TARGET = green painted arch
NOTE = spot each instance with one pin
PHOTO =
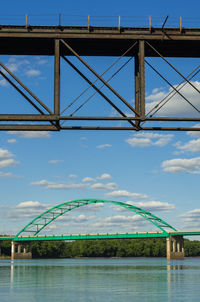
(44, 219)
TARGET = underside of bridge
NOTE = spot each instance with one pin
(138, 44)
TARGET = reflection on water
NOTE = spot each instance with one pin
(98, 280)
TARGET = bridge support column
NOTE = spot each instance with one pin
(175, 247)
(21, 250)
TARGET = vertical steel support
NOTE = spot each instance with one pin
(57, 78)
(140, 80)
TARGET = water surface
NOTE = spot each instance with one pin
(98, 280)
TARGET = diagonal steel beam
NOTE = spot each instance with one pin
(99, 77)
(173, 87)
(28, 90)
(25, 96)
(102, 86)
(113, 64)
(21, 92)
(171, 94)
(174, 68)
(99, 91)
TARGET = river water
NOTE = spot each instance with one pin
(99, 280)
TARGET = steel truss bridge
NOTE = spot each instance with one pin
(127, 42)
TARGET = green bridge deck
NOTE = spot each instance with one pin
(101, 236)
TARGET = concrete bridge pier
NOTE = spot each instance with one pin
(175, 247)
(21, 250)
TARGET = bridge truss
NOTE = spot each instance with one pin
(128, 42)
(43, 220)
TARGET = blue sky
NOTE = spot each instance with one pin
(157, 171)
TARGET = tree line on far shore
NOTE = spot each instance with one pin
(103, 248)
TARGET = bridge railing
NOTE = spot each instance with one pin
(63, 19)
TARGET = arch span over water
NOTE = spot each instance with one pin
(44, 219)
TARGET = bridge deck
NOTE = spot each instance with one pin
(98, 41)
(102, 236)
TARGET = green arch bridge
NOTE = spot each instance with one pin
(175, 245)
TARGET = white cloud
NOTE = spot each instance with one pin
(12, 141)
(28, 204)
(65, 186)
(104, 146)
(54, 161)
(4, 153)
(191, 218)
(88, 179)
(145, 139)
(153, 205)
(14, 63)
(101, 186)
(3, 83)
(130, 222)
(7, 175)
(182, 165)
(33, 73)
(26, 209)
(177, 106)
(124, 193)
(191, 146)
(53, 185)
(8, 162)
(69, 220)
(6, 159)
(194, 133)
(104, 176)
(73, 176)
(42, 182)
(41, 61)
(31, 134)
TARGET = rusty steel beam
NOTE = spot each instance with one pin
(5, 127)
(57, 77)
(22, 127)
(29, 117)
(55, 118)
(140, 81)
(128, 118)
(130, 128)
